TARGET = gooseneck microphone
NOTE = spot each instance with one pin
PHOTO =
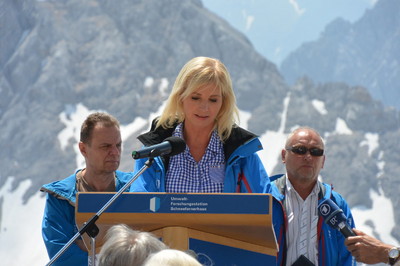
(334, 217)
(170, 146)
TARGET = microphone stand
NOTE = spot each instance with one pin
(90, 227)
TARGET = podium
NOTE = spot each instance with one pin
(221, 228)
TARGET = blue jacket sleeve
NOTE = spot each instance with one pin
(150, 180)
(345, 256)
(58, 227)
(255, 173)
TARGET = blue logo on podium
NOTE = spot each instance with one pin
(154, 204)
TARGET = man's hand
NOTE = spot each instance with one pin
(367, 249)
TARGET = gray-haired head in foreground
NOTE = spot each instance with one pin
(171, 257)
(125, 246)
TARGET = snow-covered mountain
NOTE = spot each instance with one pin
(61, 60)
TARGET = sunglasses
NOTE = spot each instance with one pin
(301, 150)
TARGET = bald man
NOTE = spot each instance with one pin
(303, 237)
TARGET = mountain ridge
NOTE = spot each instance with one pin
(117, 57)
(364, 53)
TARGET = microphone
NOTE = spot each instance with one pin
(335, 217)
(170, 146)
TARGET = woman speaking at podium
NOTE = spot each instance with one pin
(219, 156)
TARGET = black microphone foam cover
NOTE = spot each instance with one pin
(178, 145)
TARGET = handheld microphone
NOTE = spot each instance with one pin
(334, 217)
(170, 146)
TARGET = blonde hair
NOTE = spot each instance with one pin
(196, 73)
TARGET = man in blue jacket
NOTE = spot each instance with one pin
(100, 144)
(302, 236)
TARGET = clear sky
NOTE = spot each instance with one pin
(277, 27)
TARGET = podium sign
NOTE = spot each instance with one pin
(221, 228)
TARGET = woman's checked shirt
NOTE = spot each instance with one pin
(185, 175)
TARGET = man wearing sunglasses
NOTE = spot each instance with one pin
(303, 237)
